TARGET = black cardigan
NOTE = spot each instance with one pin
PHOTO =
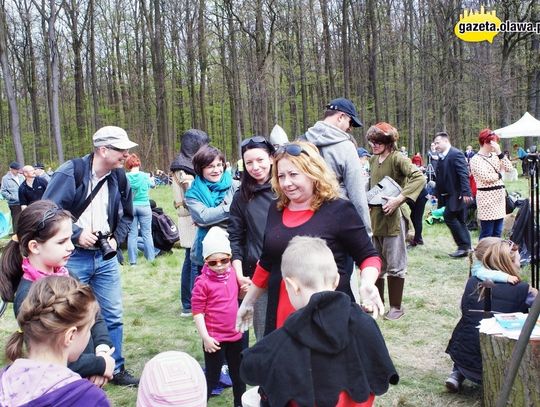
(338, 223)
(326, 347)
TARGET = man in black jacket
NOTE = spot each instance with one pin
(453, 191)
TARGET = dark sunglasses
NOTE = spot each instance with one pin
(292, 149)
(48, 215)
(256, 140)
(224, 261)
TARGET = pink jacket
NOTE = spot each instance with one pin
(216, 296)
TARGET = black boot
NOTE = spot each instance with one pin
(395, 295)
(380, 286)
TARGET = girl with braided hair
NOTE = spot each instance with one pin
(41, 248)
(55, 321)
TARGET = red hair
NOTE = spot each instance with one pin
(486, 135)
(132, 161)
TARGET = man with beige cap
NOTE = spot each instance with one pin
(95, 190)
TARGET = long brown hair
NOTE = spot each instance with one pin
(498, 254)
(53, 305)
(40, 221)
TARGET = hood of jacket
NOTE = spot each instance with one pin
(323, 324)
(191, 141)
(137, 179)
(324, 134)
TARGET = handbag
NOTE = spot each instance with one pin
(510, 204)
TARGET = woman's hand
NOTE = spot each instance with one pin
(371, 300)
(99, 381)
(244, 317)
(109, 362)
(512, 279)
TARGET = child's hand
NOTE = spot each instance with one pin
(244, 317)
(210, 345)
(512, 279)
(99, 381)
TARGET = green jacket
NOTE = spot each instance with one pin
(407, 175)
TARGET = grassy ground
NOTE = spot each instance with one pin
(416, 342)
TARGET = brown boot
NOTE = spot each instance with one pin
(380, 287)
(395, 295)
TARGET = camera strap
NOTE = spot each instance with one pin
(77, 213)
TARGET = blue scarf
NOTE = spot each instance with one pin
(211, 194)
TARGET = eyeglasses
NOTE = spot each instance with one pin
(47, 215)
(120, 150)
(375, 143)
(224, 261)
(292, 149)
(213, 167)
(513, 246)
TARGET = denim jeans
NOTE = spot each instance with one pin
(187, 279)
(491, 228)
(142, 215)
(140, 246)
(104, 278)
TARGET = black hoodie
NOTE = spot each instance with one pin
(327, 347)
(191, 141)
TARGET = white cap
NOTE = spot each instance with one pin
(216, 241)
(113, 136)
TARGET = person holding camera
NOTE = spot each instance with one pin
(95, 190)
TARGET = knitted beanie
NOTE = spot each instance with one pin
(216, 241)
(172, 379)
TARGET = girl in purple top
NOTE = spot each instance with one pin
(55, 321)
(214, 303)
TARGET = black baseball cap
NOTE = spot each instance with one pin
(15, 165)
(347, 107)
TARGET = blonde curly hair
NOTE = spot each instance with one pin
(309, 161)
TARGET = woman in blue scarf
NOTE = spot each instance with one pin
(209, 197)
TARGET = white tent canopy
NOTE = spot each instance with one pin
(527, 126)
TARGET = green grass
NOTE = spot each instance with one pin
(416, 343)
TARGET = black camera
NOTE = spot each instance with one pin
(103, 244)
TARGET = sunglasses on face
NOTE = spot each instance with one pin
(224, 261)
(292, 149)
(120, 150)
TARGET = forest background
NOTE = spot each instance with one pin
(235, 68)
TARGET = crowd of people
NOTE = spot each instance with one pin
(300, 248)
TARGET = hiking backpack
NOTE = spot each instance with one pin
(164, 231)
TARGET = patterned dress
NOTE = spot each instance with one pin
(491, 195)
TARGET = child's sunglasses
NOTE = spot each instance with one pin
(224, 261)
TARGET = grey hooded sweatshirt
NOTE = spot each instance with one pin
(339, 151)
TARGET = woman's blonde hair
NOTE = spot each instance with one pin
(309, 161)
(498, 254)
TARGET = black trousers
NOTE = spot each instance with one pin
(456, 222)
(417, 215)
(15, 213)
(230, 351)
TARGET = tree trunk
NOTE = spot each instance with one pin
(93, 71)
(496, 355)
(203, 63)
(331, 89)
(55, 82)
(14, 120)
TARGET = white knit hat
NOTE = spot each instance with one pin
(216, 241)
(172, 379)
